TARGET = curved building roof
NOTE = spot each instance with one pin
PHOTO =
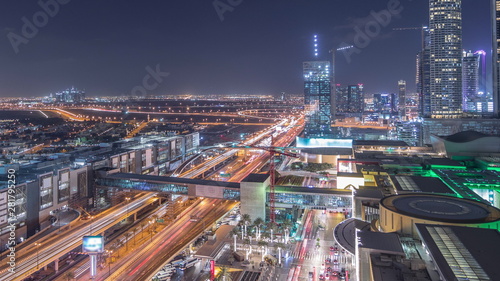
(467, 136)
(441, 208)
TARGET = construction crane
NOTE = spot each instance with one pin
(422, 29)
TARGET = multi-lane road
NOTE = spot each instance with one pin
(146, 261)
(48, 249)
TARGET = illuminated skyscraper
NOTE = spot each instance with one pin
(317, 97)
(496, 54)
(423, 78)
(446, 58)
(475, 97)
(402, 97)
(470, 79)
(350, 99)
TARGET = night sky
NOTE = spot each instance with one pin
(105, 46)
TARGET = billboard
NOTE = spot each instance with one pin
(93, 244)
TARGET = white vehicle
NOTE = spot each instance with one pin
(189, 263)
(163, 276)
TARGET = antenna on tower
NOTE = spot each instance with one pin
(315, 46)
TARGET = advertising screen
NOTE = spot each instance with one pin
(93, 244)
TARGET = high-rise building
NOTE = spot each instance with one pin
(446, 58)
(350, 99)
(495, 17)
(385, 103)
(470, 79)
(402, 97)
(423, 78)
(475, 97)
(317, 95)
(72, 95)
(356, 98)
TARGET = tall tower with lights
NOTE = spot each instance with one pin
(317, 96)
(495, 18)
(402, 97)
(445, 28)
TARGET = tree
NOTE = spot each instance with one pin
(258, 222)
(246, 220)
(235, 232)
(280, 246)
(248, 247)
(224, 274)
(286, 225)
(70, 275)
(263, 246)
(271, 227)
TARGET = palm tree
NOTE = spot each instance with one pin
(258, 222)
(224, 274)
(280, 246)
(248, 247)
(235, 234)
(271, 226)
(263, 245)
(286, 225)
(265, 235)
(246, 220)
(70, 275)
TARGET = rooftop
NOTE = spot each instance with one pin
(441, 208)
(256, 178)
(211, 248)
(458, 252)
(466, 136)
(392, 143)
(421, 184)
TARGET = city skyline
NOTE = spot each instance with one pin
(193, 46)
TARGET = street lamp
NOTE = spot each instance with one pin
(128, 200)
(37, 245)
(91, 221)
(109, 253)
(151, 229)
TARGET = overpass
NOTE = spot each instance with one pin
(172, 185)
(253, 191)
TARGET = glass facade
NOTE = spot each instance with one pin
(142, 185)
(446, 58)
(317, 99)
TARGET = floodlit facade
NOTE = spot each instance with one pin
(446, 58)
(317, 99)
(402, 97)
(496, 54)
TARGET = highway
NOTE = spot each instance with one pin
(28, 259)
(282, 140)
(146, 261)
(200, 169)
